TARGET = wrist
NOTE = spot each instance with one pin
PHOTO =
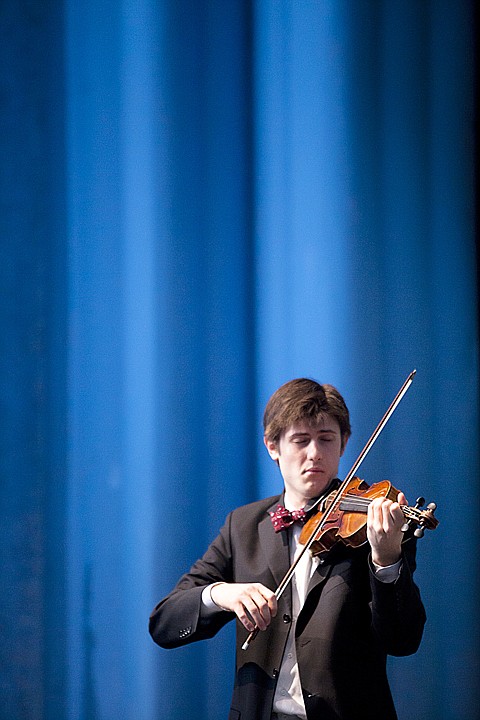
(383, 561)
(212, 598)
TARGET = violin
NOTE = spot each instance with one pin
(341, 516)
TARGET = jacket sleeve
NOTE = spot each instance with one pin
(178, 619)
(398, 614)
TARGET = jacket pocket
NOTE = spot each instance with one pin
(234, 714)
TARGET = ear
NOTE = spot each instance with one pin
(344, 444)
(271, 448)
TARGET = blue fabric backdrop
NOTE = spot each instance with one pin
(199, 201)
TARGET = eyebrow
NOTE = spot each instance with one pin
(327, 431)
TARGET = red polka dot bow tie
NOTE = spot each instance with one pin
(283, 518)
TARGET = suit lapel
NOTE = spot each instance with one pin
(276, 550)
(321, 574)
(275, 547)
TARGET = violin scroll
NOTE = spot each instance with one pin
(423, 519)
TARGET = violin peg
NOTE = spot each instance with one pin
(405, 527)
(432, 506)
(419, 532)
(420, 502)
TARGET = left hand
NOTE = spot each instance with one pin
(384, 529)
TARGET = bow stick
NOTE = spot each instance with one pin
(363, 454)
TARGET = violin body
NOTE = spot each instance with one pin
(342, 517)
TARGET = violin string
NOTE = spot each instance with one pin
(363, 503)
(354, 500)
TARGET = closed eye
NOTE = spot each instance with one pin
(300, 439)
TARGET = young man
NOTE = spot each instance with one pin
(321, 650)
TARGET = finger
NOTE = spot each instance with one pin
(244, 618)
(375, 516)
(396, 509)
(397, 514)
(373, 509)
(264, 598)
(247, 613)
(393, 517)
(271, 599)
(388, 518)
(266, 602)
(385, 514)
(257, 605)
(260, 610)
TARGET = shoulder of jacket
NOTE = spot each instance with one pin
(257, 508)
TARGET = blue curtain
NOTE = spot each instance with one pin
(199, 201)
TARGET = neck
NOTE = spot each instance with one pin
(294, 502)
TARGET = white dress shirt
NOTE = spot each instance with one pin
(288, 697)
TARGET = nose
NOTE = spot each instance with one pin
(314, 450)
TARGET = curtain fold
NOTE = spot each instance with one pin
(200, 201)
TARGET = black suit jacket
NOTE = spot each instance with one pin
(350, 621)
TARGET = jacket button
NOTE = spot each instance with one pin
(275, 673)
(287, 618)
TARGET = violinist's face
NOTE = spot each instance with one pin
(308, 458)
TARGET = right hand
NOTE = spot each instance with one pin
(253, 603)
